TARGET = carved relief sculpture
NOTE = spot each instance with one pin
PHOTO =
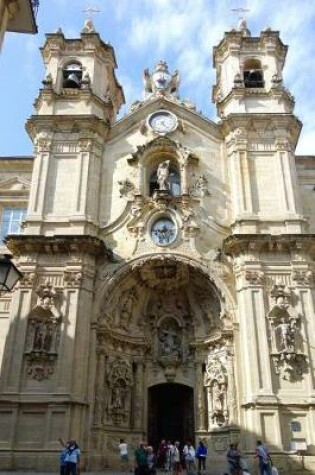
(216, 382)
(120, 382)
(43, 334)
(286, 339)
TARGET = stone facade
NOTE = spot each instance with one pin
(163, 254)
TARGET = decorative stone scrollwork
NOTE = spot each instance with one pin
(43, 334)
(216, 382)
(126, 188)
(286, 339)
(120, 382)
(199, 187)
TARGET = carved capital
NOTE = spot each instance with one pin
(302, 277)
(72, 278)
(255, 277)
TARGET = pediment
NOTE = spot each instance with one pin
(15, 184)
(138, 117)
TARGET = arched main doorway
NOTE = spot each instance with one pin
(170, 413)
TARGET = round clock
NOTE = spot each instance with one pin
(162, 122)
(163, 231)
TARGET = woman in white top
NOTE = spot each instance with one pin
(123, 452)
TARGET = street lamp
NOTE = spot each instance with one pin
(9, 274)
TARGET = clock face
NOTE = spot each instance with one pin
(163, 122)
(163, 232)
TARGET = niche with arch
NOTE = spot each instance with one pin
(253, 74)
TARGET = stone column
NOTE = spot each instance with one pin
(210, 410)
(99, 389)
(200, 398)
(137, 406)
(231, 397)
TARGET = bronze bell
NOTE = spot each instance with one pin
(72, 81)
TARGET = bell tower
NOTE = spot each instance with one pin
(75, 109)
(80, 76)
(260, 131)
(249, 73)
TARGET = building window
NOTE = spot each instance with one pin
(253, 74)
(11, 221)
(72, 76)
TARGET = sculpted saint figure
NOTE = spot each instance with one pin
(163, 174)
(286, 333)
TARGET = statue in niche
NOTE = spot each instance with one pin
(163, 175)
(218, 400)
(120, 382)
(39, 337)
(216, 382)
(286, 337)
(119, 396)
(286, 331)
(126, 308)
(168, 343)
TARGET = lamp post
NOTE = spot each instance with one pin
(9, 274)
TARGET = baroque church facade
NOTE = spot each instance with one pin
(168, 263)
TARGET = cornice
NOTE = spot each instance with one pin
(234, 40)
(237, 244)
(23, 244)
(288, 122)
(259, 93)
(59, 123)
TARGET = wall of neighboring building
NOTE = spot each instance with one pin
(306, 177)
(15, 180)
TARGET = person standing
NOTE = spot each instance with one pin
(201, 456)
(162, 455)
(151, 461)
(190, 456)
(72, 458)
(233, 458)
(264, 459)
(176, 459)
(62, 456)
(123, 452)
(141, 462)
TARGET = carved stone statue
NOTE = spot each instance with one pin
(286, 332)
(216, 381)
(163, 174)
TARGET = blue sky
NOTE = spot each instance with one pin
(182, 32)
